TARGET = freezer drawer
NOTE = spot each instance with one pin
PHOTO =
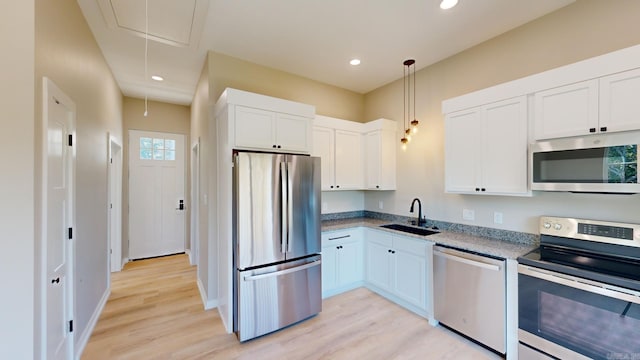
(469, 295)
(273, 297)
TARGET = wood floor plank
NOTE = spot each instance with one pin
(155, 312)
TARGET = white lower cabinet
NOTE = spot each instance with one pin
(397, 267)
(342, 253)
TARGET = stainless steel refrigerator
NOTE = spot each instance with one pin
(276, 241)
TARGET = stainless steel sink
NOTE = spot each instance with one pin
(409, 229)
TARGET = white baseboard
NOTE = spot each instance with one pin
(208, 304)
(124, 262)
(188, 252)
(86, 335)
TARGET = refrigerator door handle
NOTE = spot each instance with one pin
(284, 217)
(289, 209)
(282, 272)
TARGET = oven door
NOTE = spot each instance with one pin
(570, 317)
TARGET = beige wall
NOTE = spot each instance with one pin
(226, 71)
(161, 117)
(17, 325)
(584, 29)
(199, 128)
(67, 53)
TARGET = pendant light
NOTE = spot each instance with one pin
(410, 126)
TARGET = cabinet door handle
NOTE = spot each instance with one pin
(279, 146)
(340, 237)
(477, 189)
(603, 129)
(483, 189)
(338, 186)
(274, 146)
(377, 186)
(592, 130)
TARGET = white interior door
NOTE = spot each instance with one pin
(195, 204)
(58, 220)
(156, 194)
(115, 204)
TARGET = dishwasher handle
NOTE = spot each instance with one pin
(460, 257)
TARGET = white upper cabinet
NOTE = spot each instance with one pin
(566, 111)
(380, 155)
(264, 123)
(486, 149)
(340, 152)
(606, 104)
(267, 130)
(462, 155)
(324, 147)
(349, 165)
(619, 101)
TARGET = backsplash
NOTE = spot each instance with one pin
(500, 234)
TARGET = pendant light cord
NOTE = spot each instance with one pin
(146, 53)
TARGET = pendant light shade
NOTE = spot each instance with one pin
(410, 126)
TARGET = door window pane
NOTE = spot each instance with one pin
(145, 143)
(158, 154)
(145, 154)
(158, 144)
(157, 149)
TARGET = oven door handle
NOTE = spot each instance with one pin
(582, 284)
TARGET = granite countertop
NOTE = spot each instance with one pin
(479, 244)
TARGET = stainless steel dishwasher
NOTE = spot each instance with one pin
(469, 295)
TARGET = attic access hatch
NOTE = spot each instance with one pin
(175, 23)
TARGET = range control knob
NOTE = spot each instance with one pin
(557, 226)
(547, 225)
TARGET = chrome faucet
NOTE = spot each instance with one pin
(421, 221)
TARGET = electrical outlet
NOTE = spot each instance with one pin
(497, 217)
(325, 206)
(381, 204)
(468, 214)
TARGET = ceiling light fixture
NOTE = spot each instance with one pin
(448, 4)
(157, 77)
(410, 126)
(354, 62)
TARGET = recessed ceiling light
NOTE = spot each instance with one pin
(157, 77)
(354, 62)
(448, 4)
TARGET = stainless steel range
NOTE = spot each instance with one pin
(579, 293)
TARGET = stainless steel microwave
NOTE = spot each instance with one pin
(604, 163)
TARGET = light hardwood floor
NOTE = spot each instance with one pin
(155, 312)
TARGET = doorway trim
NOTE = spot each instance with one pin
(114, 202)
(195, 203)
(50, 89)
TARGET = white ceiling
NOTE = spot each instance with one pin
(312, 38)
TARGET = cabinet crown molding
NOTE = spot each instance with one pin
(591, 68)
(264, 102)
